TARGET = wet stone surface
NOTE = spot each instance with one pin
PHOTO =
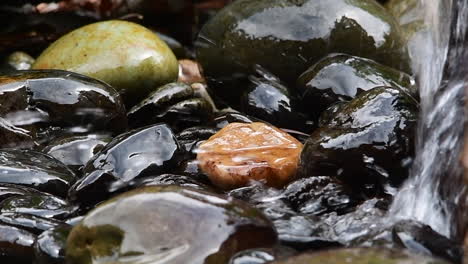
(142, 152)
(118, 230)
(36, 170)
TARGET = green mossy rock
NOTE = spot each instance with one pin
(168, 224)
(287, 36)
(131, 58)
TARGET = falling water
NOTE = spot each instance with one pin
(434, 191)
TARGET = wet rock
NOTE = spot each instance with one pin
(360, 255)
(15, 137)
(9, 190)
(320, 195)
(269, 100)
(240, 153)
(189, 137)
(76, 151)
(48, 103)
(368, 144)
(118, 230)
(420, 238)
(50, 246)
(36, 170)
(174, 104)
(17, 61)
(130, 57)
(40, 204)
(16, 245)
(142, 152)
(31, 223)
(189, 72)
(256, 256)
(341, 77)
(224, 119)
(286, 37)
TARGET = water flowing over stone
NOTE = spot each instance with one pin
(433, 193)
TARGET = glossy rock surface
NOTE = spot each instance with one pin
(286, 37)
(128, 56)
(39, 204)
(50, 246)
(175, 104)
(340, 77)
(143, 152)
(150, 225)
(240, 153)
(36, 170)
(76, 151)
(16, 245)
(360, 256)
(269, 100)
(368, 144)
(47, 103)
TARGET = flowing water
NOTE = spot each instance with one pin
(433, 194)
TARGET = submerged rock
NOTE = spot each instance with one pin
(36, 170)
(286, 37)
(168, 224)
(147, 151)
(360, 256)
(128, 56)
(49, 103)
(368, 143)
(240, 153)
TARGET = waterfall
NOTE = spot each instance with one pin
(434, 191)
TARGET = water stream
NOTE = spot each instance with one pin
(433, 194)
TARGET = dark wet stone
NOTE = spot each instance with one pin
(76, 151)
(16, 245)
(15, 137)
(74, 220)
(163, 179)
(218, 228)
(269, 100)
(224, 119)
(341, 77)
(189, 137)
(320, 195)
(48, 103)
(31, 223)
(368, 143)
(420, 238)
(254, 256)
(286, 37)
(295, 230)
(360, 256)
(36, 170)
(9, 190)
(142, 152)
(174, 104)
(42, 205)
(327, 115)
(50, 246)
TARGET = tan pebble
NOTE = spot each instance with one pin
(242, 152)
(189, 72)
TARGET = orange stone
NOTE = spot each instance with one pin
(189, 72)
(240, 153)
